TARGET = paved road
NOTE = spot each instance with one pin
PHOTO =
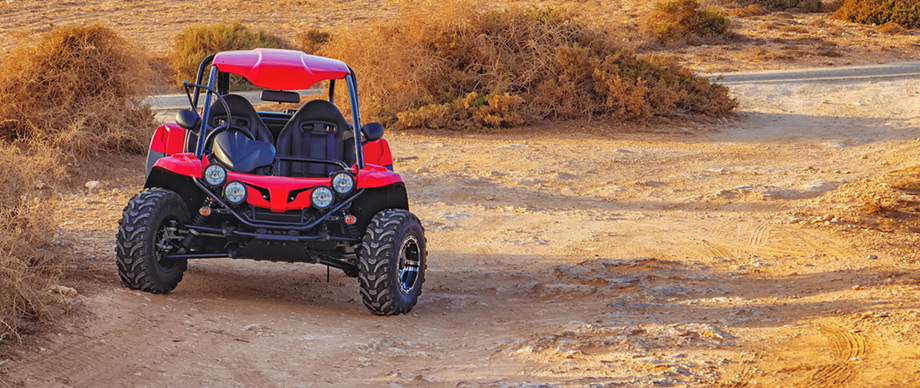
(176, 102)
(166, 105)
(891, 70)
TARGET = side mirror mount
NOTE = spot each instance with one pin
(188, 119)
(372, 131)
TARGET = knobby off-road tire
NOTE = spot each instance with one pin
(392, 262)
(143, 222)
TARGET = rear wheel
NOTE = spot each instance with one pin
(391, 262)
(146, 235)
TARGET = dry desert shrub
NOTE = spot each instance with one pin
(686, 21)
(78, 88)
(890, 28)
(312, 39)
(905, 13)
(455, 66)
(790, 5)
(765, 6)
(194, 43)
(747, 11)
(28, 264)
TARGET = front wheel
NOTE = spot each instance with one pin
(146, 235)
(391, 262)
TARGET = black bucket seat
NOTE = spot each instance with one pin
(316, 131)
(244, 115)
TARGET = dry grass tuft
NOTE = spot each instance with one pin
(312, 39)
(74, 93)
(891, 28)
(790, 5)
(79, 89)
(453, 65)
(685, 21)
(194, 43)
(747, 11)
(28, 264)
(905, 13)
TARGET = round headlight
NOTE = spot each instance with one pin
(235, 193)
(321, 197)
(215, 175)
(343, 183)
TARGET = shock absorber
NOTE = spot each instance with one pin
(203, 212)
(199, 219)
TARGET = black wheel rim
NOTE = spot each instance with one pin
(163, 246)
(409, 264)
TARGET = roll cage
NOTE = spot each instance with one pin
(272, 69)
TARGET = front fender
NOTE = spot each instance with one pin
(180, 164)
(377, 199)
(372, 176)
(378, 152)
(168, 139)
(176, 173)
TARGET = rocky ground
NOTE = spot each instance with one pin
(773, 248)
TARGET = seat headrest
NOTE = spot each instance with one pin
(320, 110)
(243, 114)
(239, 108)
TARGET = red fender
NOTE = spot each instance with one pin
(378, 152)
(376, 176)
(168, 139)
(183, 164)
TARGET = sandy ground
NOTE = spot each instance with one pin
(778, 40)
(733, 253)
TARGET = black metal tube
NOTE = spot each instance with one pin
(339, 264)
(355, 116)
(309, 160)
(198, 256)
(331, 263)
(205, 114)
(254, 225)
(204, 63)
(265, 236)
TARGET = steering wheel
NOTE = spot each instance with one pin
(223, 128)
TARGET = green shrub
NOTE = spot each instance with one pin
(457, 67)
(685, 21)
(906, 13)
(78, 88)
(196, 42)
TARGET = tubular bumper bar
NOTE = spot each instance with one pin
(275, 225)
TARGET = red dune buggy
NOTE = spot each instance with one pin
(300, 186)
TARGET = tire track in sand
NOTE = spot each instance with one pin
(760, 234)
(848, 346)
(89, 359)
(743, 378)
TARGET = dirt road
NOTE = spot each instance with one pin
(714, 254)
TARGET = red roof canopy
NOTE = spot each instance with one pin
(280, 69)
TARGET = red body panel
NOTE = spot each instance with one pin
(376, 176)
(280, 69)
(278, 187)
(168, 139)
(378, 152)
(183, 164)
